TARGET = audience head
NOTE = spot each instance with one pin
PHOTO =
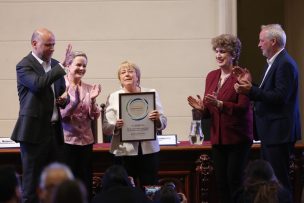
(9, 185)
(51, 177)
(229, 43)
(70, 191)
(43, 43)
(259, 170)
(115, 175)
(167, 194)
(130, 68)
(261, 184)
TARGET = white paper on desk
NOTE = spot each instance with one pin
(167, 139)
(256, 141)
(6, 142)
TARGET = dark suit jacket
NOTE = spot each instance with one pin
(233, 124)
(36, 99)
(277, 103)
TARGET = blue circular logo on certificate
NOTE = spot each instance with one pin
(137, 108)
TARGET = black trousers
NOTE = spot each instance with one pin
(279, 158)
(34, 158)
(79, 159)
(141, 167)
(229, 164)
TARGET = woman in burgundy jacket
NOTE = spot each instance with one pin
(231, 117)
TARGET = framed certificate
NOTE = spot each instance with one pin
(134, 109)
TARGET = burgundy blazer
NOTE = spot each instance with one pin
(234, 123)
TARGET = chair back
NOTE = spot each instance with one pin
(106, 138)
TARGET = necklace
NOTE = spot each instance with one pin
(223, 78)
(221, 81)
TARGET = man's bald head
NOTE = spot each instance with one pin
(43, 42)
(50, 178)
(55, 172)
(40, 32)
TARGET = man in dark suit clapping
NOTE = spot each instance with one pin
(276, 102)
(40, 85)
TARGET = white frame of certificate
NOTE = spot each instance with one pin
(134, 109)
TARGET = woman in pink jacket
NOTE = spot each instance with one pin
(77, 117)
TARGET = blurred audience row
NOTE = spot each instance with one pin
(58, 185)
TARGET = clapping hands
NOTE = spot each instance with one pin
(244, 80)
(95, 91)
(196, 103)
(241, 73)
(61, 100)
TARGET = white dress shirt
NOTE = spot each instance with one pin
(270, 62)
(47, 68)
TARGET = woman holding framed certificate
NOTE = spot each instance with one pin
(132, 116)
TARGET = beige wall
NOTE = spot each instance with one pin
(168, 39)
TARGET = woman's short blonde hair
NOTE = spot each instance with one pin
(128, 64)
(75, 54)
(229, 43)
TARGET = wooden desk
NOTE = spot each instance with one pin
(188, 166)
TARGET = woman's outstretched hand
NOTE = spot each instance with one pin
(196, 103)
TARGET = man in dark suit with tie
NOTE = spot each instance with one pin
(276, 106)
(38, 129)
